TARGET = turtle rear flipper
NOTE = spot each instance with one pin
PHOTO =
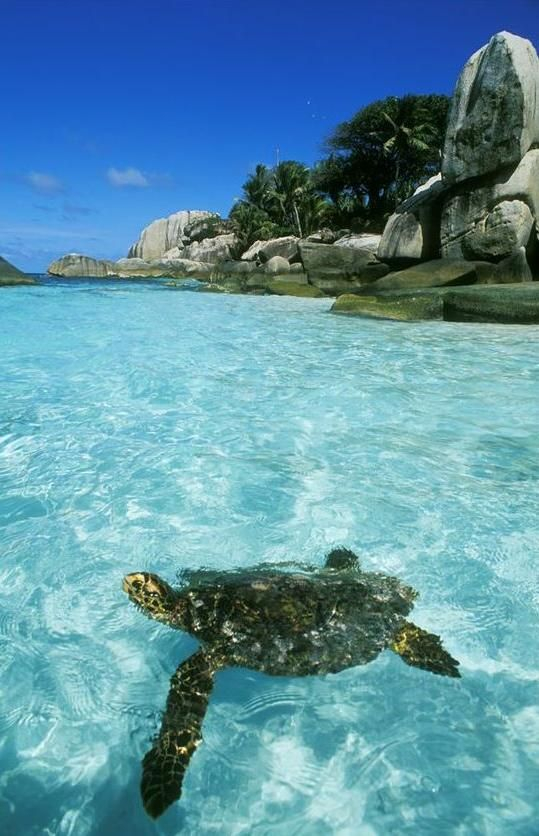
(424, 650)
(164, 766)
(341, 560)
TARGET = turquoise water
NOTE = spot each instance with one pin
(143, 428)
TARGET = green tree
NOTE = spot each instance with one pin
(385, 149)
(278, 201)
(250, 224)
(257, 188)
(291, 188)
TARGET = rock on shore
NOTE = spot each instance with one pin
(165, 233)
(82, 266)
(508, 304)
(483, 209)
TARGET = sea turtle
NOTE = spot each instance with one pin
(283, 623)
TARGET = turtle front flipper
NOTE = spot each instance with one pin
(424, 650)
(164, 766)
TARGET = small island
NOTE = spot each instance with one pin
(464, 246)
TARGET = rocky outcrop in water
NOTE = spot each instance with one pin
(75, 265)
(82, 266)
(10, 275)
(485, 204)
(511, 304)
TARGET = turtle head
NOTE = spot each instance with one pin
(152, 595)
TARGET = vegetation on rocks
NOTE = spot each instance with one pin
(277, 201)
(374, 160)
(378, 157)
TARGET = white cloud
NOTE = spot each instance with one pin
(44, 183)
(127, 177)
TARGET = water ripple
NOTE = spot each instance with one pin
(219, 433)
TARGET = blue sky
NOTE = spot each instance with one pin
(116, 113)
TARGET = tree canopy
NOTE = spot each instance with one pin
(376, 158)
(278, 201)
(373, 161)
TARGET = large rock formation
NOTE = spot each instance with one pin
(10, 275)
(493, 216)
(165, 233)
(494, 115)
(485, 204)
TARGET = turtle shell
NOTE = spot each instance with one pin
(295, 624)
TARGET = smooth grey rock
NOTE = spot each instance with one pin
(172, 254)
(364, 241)
(402, 239)
(514, 268)
(277, 266)
(412, 233)
(75, 265)
(287, 247)
(180, 268)
(328, 260)
(502, 231)
(184, 268)
(165, 233)
(336, 270)
(211, 250)
(130, 268)
(434, 273)
(466, 210)
(494, 114)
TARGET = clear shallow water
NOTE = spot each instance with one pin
(143, 428)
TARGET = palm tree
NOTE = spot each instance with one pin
(408, 137)
(290, 184)
(258, 188)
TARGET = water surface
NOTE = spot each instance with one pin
(144, 428)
